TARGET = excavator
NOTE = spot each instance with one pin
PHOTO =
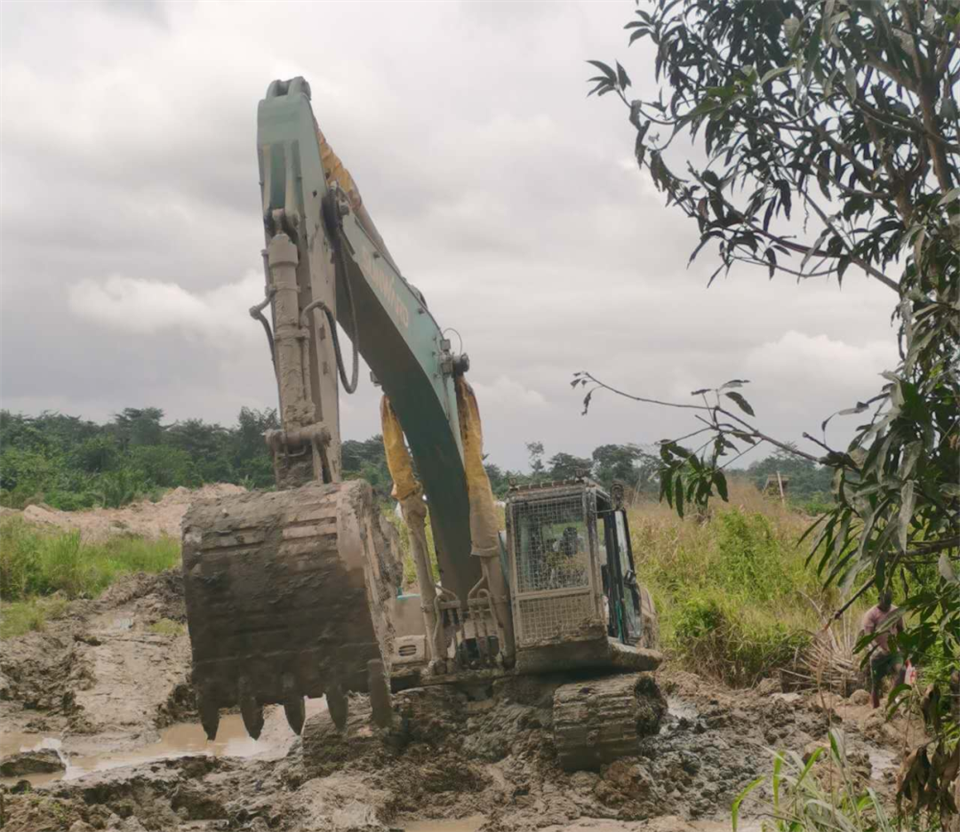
(296, 592)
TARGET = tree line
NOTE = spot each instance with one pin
(72, 463)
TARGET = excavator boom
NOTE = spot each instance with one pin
(397, 335)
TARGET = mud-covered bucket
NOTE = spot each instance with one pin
(285, 597)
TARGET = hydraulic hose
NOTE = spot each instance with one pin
(351, 385)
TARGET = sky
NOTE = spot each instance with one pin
(130, 229)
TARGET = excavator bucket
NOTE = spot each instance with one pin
(285, 596)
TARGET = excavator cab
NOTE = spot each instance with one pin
(572, 577)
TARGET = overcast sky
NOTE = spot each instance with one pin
(131, 225)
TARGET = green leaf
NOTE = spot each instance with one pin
(907, 501)
(735, 808)
(611, 75)
(911, 454)
(777, 766)
(769, 75)
(949, 197)
(742, 402)
(850, 81)
(946, 570)
(720, 481)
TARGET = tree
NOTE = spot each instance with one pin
(629, 464)
(564, 466)
(367, 460)
(848, 112)
(535, 452)
(807, 479)
(138, 426)
(499, 479)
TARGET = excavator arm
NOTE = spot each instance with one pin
(343, 262)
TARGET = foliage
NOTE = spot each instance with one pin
(19, 617)
(535, 452)
(800, 800)
(564, 466)
(630, 464)
(809, 481)
(731, 592)
(35, 563)
(406, 556)
(848, 112)
(168, 627)
(70, 463)
(367, 460)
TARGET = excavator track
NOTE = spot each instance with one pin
(285, 596)
(600, 720)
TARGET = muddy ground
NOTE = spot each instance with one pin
(107, 691)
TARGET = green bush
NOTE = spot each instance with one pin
(823, 794)
(35, 563)
(19, 617)
(164, 466)
(734, 592)
(116, 489)
(723, 636)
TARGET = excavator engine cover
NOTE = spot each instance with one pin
(285, 595)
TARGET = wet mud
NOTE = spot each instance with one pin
(112, 698)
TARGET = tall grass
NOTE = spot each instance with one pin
(19, 617)
(807, 797)
(37, 563)
(734, 594)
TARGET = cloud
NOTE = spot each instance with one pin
(817, 362)
(505, 392)
(149, 307)
(508, 197)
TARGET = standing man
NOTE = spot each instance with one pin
(883, 662)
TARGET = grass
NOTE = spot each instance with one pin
(823, 794)
(35, 564)
(167, 627)
(733, 592)
(19, 617)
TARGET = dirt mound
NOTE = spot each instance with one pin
(106, 674)
(143, 519)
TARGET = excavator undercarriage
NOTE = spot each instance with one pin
(297, 593)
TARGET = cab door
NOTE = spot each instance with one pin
(623, 592)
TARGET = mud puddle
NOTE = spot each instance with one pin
(679, 709)
(468, 824)
(883, 762)
(178, 740)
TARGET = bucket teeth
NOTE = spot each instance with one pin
(337, 705)
(296, 713)
(293, 705)
(250, 710)
(209, 716)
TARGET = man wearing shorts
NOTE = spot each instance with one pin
(883, 662)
